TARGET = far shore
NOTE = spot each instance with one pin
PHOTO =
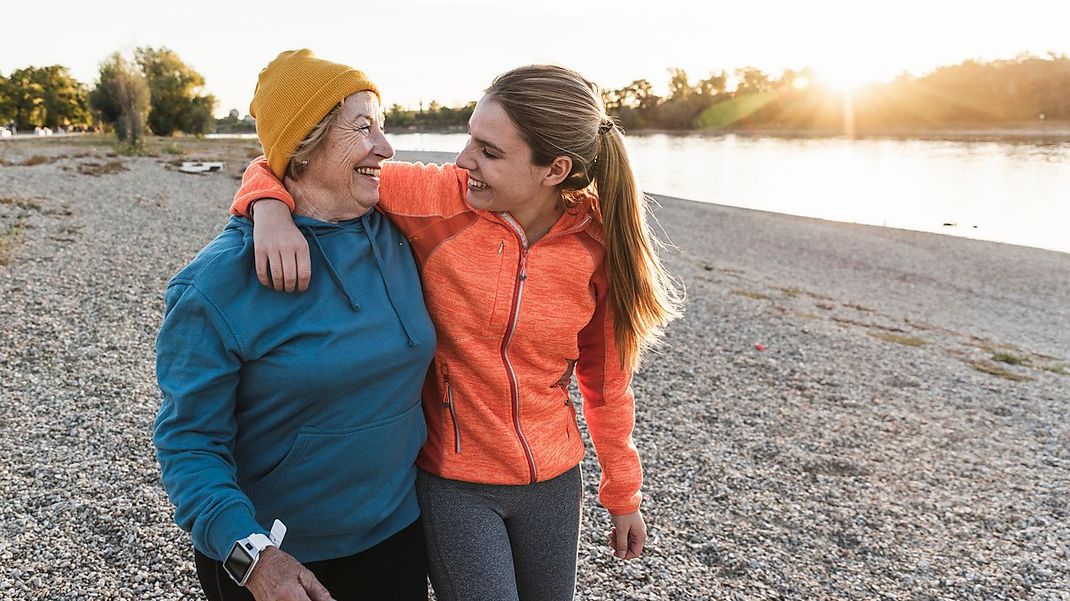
(1047, 131)
(1054, 131)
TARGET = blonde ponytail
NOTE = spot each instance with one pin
(643, 294)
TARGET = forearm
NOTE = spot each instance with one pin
(610, 426)
(197, 368)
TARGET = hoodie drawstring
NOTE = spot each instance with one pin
(382, 272)
(330, 269)
(386, 282)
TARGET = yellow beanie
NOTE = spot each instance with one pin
(293, 93)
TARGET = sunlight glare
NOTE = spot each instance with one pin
(844, 78)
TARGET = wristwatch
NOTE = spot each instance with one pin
(245, 553)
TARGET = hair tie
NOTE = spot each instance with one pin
(606, 126)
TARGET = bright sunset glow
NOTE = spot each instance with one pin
(843, 79)
(419, 50)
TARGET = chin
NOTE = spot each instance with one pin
(486, 204)
(367, 200)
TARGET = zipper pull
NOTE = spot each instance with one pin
(501, 247)
(445, 386)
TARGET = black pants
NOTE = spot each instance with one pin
(394, 569)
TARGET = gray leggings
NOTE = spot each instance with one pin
(489, 542)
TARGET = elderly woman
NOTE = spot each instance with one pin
(273, 410)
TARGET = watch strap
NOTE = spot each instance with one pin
(262, 542)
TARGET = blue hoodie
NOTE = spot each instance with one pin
(301, 407)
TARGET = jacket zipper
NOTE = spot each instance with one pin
(514, 384)
(518, 296)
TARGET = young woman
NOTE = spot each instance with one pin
(537, 264)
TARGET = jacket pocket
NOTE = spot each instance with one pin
(341, 480)
(499, 313)
(562, 385)
(570, 417)
(448, 404)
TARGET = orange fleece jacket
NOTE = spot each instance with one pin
(514, 322)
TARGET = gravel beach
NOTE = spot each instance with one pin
(845, 412)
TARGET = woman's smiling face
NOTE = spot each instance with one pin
(501, 175)
(348, 163)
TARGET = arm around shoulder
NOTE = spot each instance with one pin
(418, 189)
(259, 182)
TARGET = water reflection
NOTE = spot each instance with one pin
(1008, 191)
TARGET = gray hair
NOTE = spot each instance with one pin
(312, 143)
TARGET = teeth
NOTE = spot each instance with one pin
(476, 184)
(370, 171)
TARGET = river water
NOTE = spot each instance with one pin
(1007, 191)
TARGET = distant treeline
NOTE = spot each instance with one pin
(970, 94)
(1004, 92)
(155, 92)
(435, 116)
(158, 92)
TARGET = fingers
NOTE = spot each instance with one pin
(636, 542)
(316, 591)
(284, 270)
(275, 264)
(628, 535)
(619, 541)
(262, 268)
(289, 271)
(304, 268)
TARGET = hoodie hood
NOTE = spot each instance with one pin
(370, 227)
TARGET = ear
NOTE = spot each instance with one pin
(558, 171)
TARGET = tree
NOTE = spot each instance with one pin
(43, 97)
(122, 98)
(174, 89)
(639, 95)
(714, 85)
(7, 111)
(24, 98)
(679, 86)
(64, 100)
(752, 81)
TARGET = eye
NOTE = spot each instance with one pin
(484, 152)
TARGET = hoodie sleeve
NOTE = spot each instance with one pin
(609, 406)
(198, 358)
(406, 189)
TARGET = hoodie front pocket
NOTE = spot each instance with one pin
(340, 480)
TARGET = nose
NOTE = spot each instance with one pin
(383, 147)
(463, 159)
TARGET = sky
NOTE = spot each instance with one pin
(419, 50)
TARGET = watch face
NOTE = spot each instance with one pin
(239, 561)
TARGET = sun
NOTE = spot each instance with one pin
(845, 77)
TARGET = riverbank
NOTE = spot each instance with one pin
(1054, 132)
(844, 412)
(1038, 130)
